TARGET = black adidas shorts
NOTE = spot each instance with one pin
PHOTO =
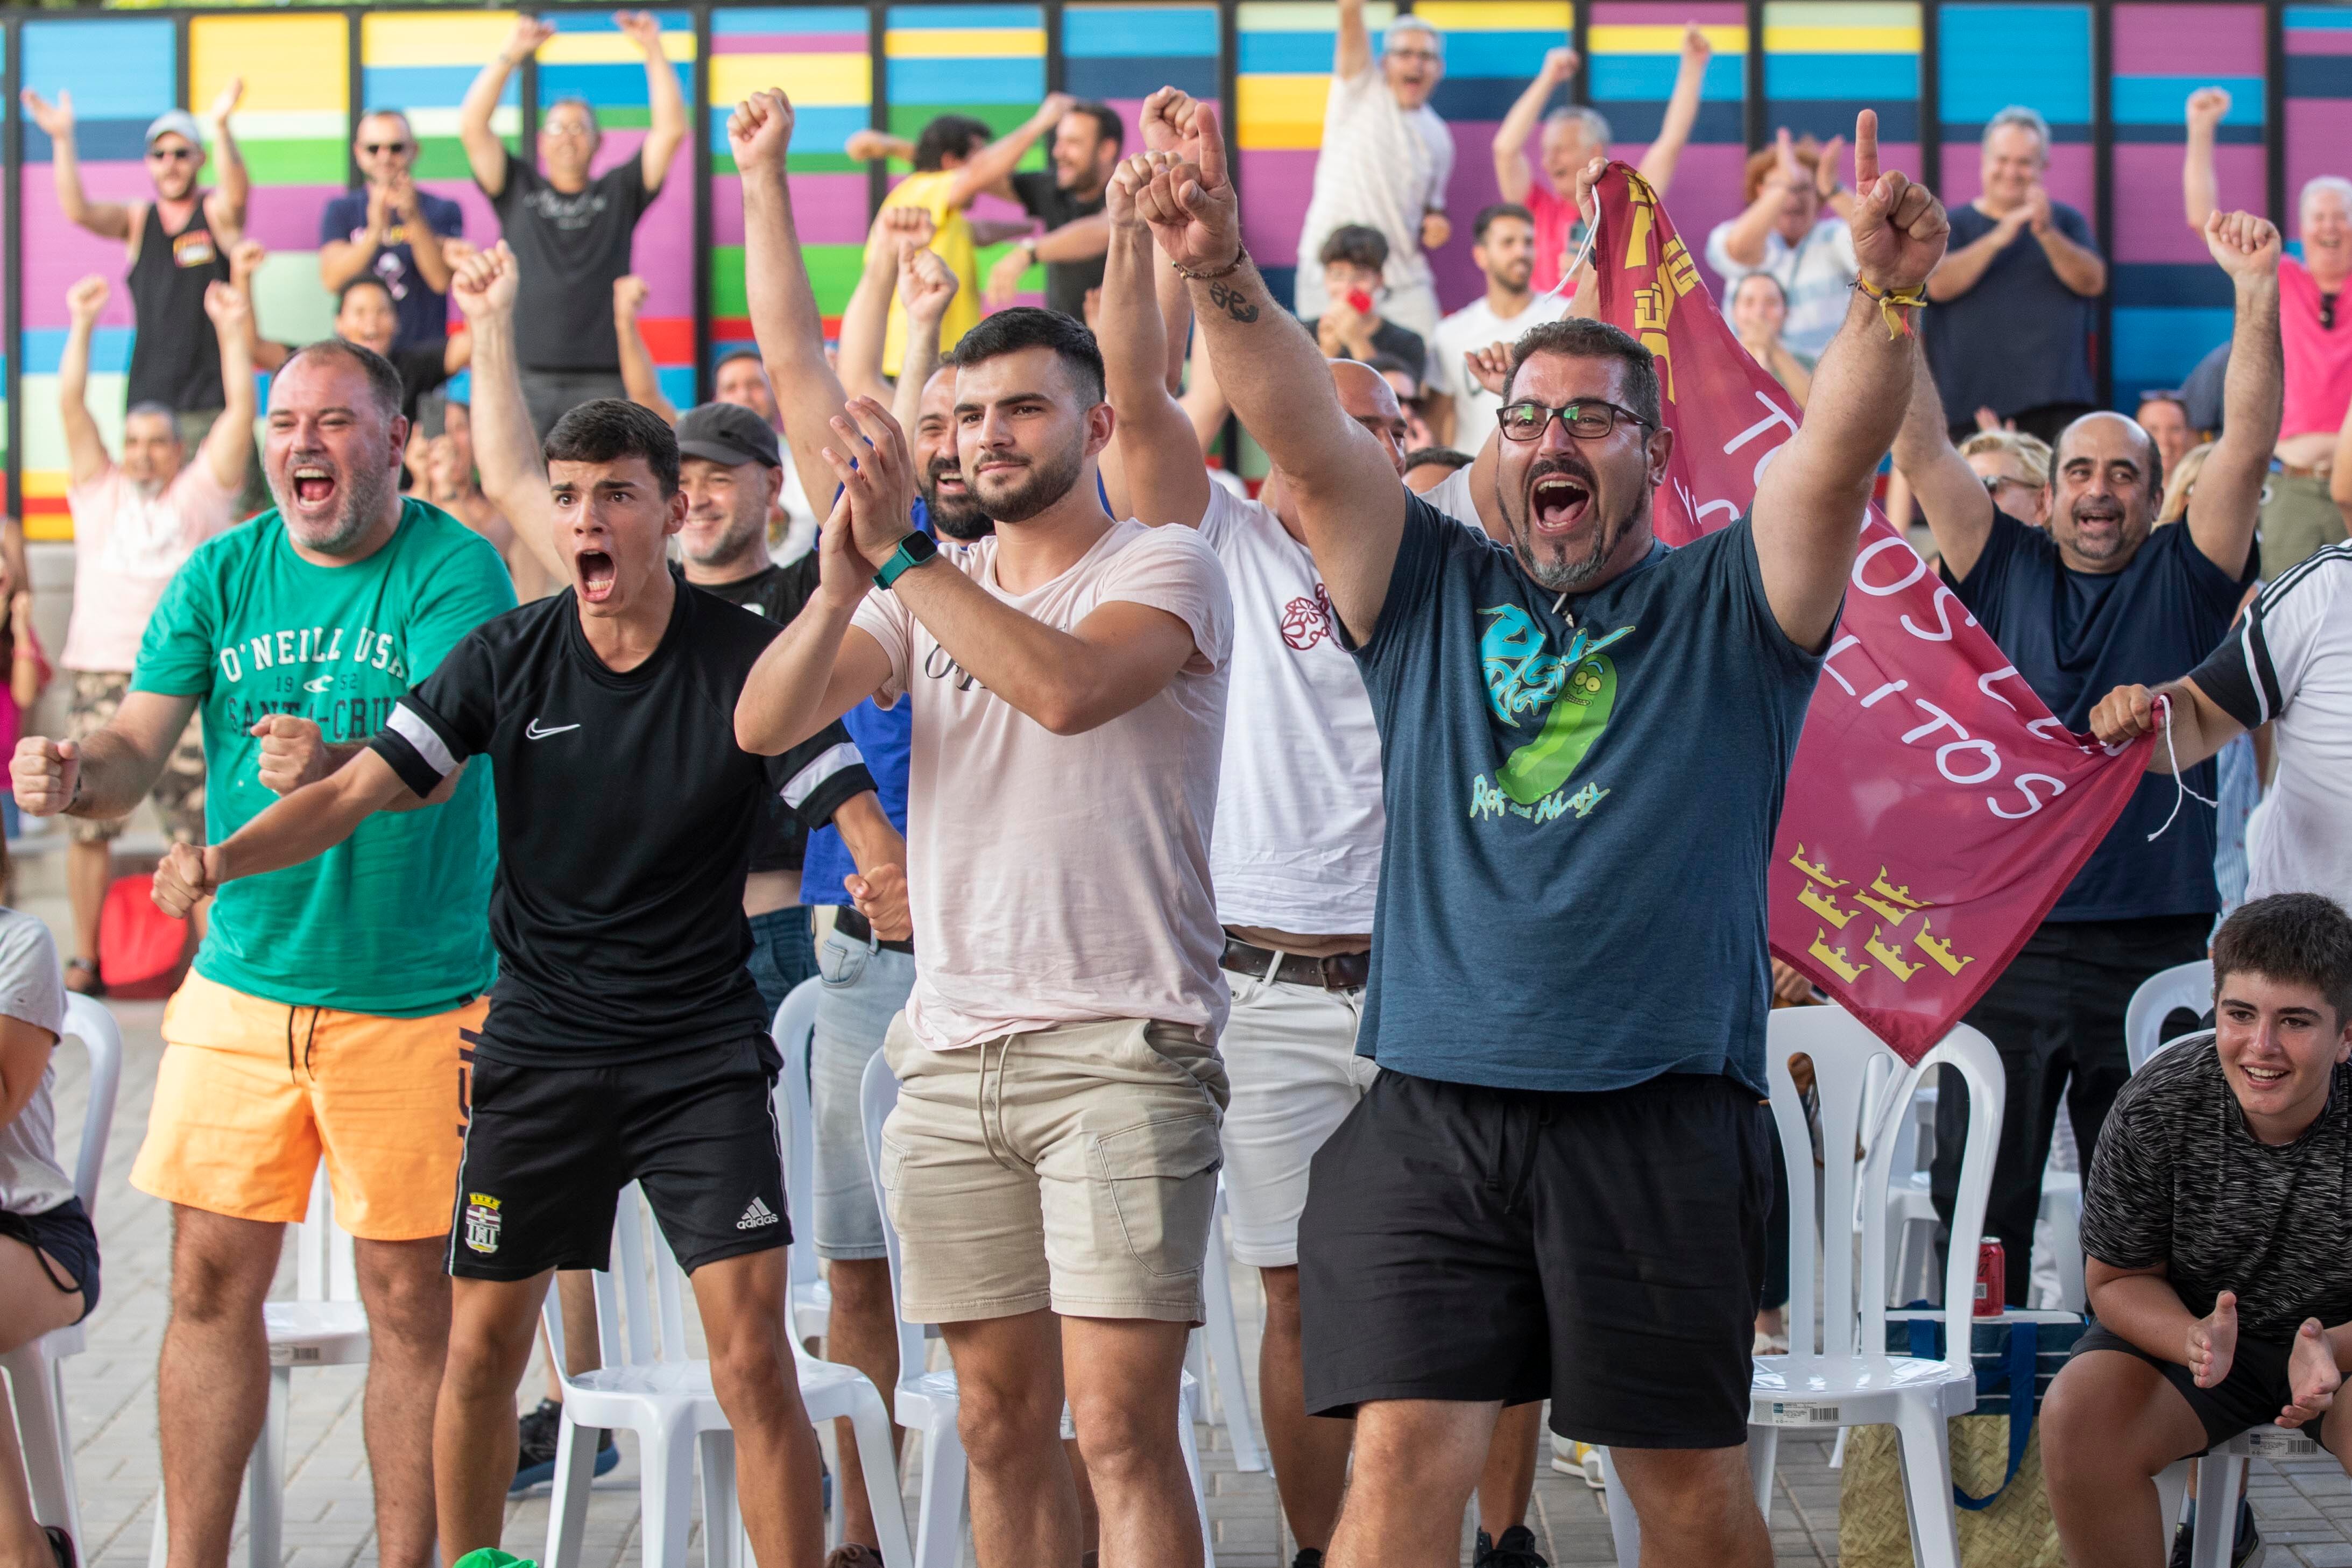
(548, 1150)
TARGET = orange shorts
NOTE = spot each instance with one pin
(251, 1093)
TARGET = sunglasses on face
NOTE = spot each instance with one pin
(170, 154)
(373, 148)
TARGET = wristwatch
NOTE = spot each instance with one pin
(1030, 245)
(912, 552)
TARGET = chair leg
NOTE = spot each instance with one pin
(567, 1510)
(1763, 1457)
(666, 1491)
(1927, 1486)
(38, 1393)
(1223, 1339)
(158, 1545)
(2218, 1483)
(1188, 1439)
(938, 1532)
(2172, 1491)
(871, 1427)
(719, 1505)
(1625, 1525)
(264, 1480)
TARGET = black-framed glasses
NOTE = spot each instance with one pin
(373, 148)
(1586, 420)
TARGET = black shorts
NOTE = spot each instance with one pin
(548, 1150)
(2252, 1394)
(1604, 1251)
(65, 1234)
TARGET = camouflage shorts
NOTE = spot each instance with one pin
(179, 793)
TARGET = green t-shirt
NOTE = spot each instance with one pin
(394, 920)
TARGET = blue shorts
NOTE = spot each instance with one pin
(781, 956)
(865, 984)
(65, 1234)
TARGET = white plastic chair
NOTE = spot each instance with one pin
(928, 1402)
(1852, 1381)
(794, 1030)
(2221, 1481)
(35, 1375)
(665, 1398)
(2188, 986)
(1215, 1350)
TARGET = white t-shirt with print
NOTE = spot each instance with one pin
(1816, 273)
(1062, 879)
(1298, 803)
(1471, 328)
(1382, 166)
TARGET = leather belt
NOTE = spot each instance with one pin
(1340, 972)
(2318, 470)
(849, 922)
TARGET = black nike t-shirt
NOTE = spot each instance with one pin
(626, 813)
(777, 593)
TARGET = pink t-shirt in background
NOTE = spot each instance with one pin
(1062, 879)
(12, 718)
(2318, 359)
(1559, 230)
(126, 548)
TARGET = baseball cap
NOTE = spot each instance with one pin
(727, 432)
(175, 123)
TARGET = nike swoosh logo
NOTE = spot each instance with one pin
(535, 731)
(323, 683)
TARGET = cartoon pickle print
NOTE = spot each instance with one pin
(1523, 676)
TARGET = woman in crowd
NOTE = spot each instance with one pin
(1760, 309)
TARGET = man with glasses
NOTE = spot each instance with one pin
(390, 230)
(179, 244)
(1385, 161)
(571, 231)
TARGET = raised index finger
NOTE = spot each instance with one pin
(1865, 149)
(1212, 146)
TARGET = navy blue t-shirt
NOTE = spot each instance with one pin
(423, 313)
(2020, 339)
(1580, 810)
(2077, 636)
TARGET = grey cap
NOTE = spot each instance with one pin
(175, 123)
(727, 432)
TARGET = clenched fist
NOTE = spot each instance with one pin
(293, 752)
(188, 875)
(46, 775)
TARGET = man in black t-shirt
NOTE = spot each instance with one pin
(1068, 200)
(2102, 599)
(571, 233)
(2218, 1220)
(625, 1039)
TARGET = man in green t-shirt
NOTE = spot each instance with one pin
(330, 1002)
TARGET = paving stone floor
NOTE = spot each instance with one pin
(2305, 1506)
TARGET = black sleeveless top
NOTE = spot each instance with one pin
(176, 355)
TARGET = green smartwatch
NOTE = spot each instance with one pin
(913, 551)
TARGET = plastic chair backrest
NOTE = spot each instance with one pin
(642, 1293)
(2188, 986)
(88, 1020)
(796, 1025)
(1854, 1320)
(325, 1268)
(877, 1094)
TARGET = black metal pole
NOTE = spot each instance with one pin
(2103, 167)
(699, 111)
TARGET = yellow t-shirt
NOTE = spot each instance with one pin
(951, 240)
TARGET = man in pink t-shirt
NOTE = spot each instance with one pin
(2314, 337)
(136, 519)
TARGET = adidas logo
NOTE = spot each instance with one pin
(757, 1215)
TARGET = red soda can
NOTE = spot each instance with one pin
(1992, 1278)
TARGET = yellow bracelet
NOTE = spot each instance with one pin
(1892, 300)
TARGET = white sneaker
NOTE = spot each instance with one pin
(1574, 1459)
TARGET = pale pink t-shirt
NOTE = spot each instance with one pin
(1061, 879)
(2318, 359)
(126, 548)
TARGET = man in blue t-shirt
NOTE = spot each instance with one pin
(1585, 736)
(2102, 599)
(389, 230)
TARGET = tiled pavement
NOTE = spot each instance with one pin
(2305, 1506)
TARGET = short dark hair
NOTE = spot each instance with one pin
(732, 355)
(1493, 210)
(1384, 364)
(2302, 939)
(1581, 337)
(1437, 456)
(1357, 245)
(607, 429)
(1027, 327)
(1108, 124)
(948, 133)
(383, 382)
(364, 280)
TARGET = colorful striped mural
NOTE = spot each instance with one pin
(1825, 60)
(1492, 50)
(1636, 49)
(2318, 98)
(1991, 56)
(985, 61)
(421, 62)
(1283, 73)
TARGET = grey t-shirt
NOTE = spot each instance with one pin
(32, 989)
(2179, 1180)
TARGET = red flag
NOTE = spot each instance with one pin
(1935, 809)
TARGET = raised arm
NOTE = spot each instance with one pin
(926, 287)
(244, 259)
(989, 169)
(666, 100)
(1959, 508)
(1351, 45)
(86, 456)
(866, 320)
(228, 445)
(872, 146)
(821, 666)
(785, 318)
(1350, 503)
(1159, 454)
(1809, 504)
(639, 379)
(1513, 177)
(486, 155)
(1745, 240)
(2223, 508)
(1657, 165)
(297, 827)
(506, 446)
(2200, 187)
(107, 220)
(226, 205)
